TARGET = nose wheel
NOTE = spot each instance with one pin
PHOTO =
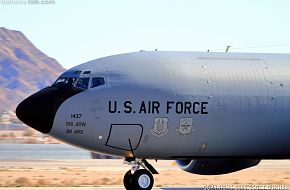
(139, 179)
(127, 181)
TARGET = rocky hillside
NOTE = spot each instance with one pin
(24, 69)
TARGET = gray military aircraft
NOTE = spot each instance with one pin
(214, 113)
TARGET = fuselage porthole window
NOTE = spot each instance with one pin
(97, 81)
(83, 82)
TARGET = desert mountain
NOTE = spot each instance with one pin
(24, 69)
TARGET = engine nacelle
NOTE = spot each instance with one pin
(215, 167)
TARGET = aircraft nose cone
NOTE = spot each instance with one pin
(37, 110)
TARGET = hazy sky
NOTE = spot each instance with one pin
(77, 31)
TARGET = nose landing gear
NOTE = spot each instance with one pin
(139, 179)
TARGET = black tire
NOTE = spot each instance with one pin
(142, 180)
(127, 181)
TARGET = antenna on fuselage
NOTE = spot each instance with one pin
(228, 48)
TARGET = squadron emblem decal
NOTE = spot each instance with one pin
(185, 126)
(160, 127)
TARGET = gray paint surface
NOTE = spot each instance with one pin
(246, 110)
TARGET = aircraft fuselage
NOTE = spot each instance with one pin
(177, 105)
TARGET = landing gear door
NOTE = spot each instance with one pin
(125, 136)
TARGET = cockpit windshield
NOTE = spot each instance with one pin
(82, 82)
(64, 80)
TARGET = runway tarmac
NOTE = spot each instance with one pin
(238, 187)
(90, 188)
(108, 174)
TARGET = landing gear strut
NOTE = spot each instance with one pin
(139, 179)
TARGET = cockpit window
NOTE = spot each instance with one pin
(83, 82)
(77, 72)
(86, 72)
(64, 80)
(97, 81)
